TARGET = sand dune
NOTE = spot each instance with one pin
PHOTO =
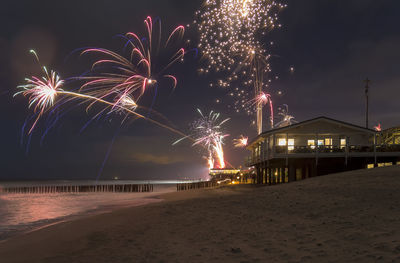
(348, 217)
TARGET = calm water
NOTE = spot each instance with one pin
(25, 212)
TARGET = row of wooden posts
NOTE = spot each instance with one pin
(115, 188)
(199, 185)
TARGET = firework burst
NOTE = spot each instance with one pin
(241, 142)
(208, 133)
(378, 128)
(41, 91)
(232, 33)
(129, 76)
(114, 91)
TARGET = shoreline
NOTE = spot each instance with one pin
(35, 226)
(139, 199)
(348, 217)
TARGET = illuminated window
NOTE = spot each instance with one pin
(384, 164)
(291, 144)
(320, 142)
(328, 141)
(311, 143)
(282, 142)
(342, 143)
(370, 166)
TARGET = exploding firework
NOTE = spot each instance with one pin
(232, 33)
(378, 127)
(114, 81)
(241, 142)
(208, 133)
(129, 76)
(287, 119)
(41, 91)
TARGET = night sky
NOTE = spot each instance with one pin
(333, 46)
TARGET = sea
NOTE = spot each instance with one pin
(21, 213)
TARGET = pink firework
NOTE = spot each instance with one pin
(258, 103)
(115, 75)
(378, 127)
(41, 91)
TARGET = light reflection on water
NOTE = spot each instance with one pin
(23, 212)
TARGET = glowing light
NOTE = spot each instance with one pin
(241, 142)
(282, 142)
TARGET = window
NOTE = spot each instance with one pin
(282, 142)
(384, 164)
(311, 144)
(370, 166)
(291, 144)
(320, 142)
(328, 141)
(342, 143)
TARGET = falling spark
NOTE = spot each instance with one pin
(231, 36)
(230, 31)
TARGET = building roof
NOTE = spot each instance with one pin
(299, 124)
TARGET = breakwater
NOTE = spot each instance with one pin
(198, 185)
(107, 188)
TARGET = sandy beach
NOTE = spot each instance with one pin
(348, 217)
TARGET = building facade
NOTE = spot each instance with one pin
(317, 147)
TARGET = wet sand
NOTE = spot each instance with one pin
(348, 217)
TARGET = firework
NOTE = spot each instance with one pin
(287, 119)
(230, 31)
(115, 81)
(232, 34)
(241, 142)
(378, 127)
(258, 103)
(129, 76)
(207, 132)
(41, 91)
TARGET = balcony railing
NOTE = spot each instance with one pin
(322, 151)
